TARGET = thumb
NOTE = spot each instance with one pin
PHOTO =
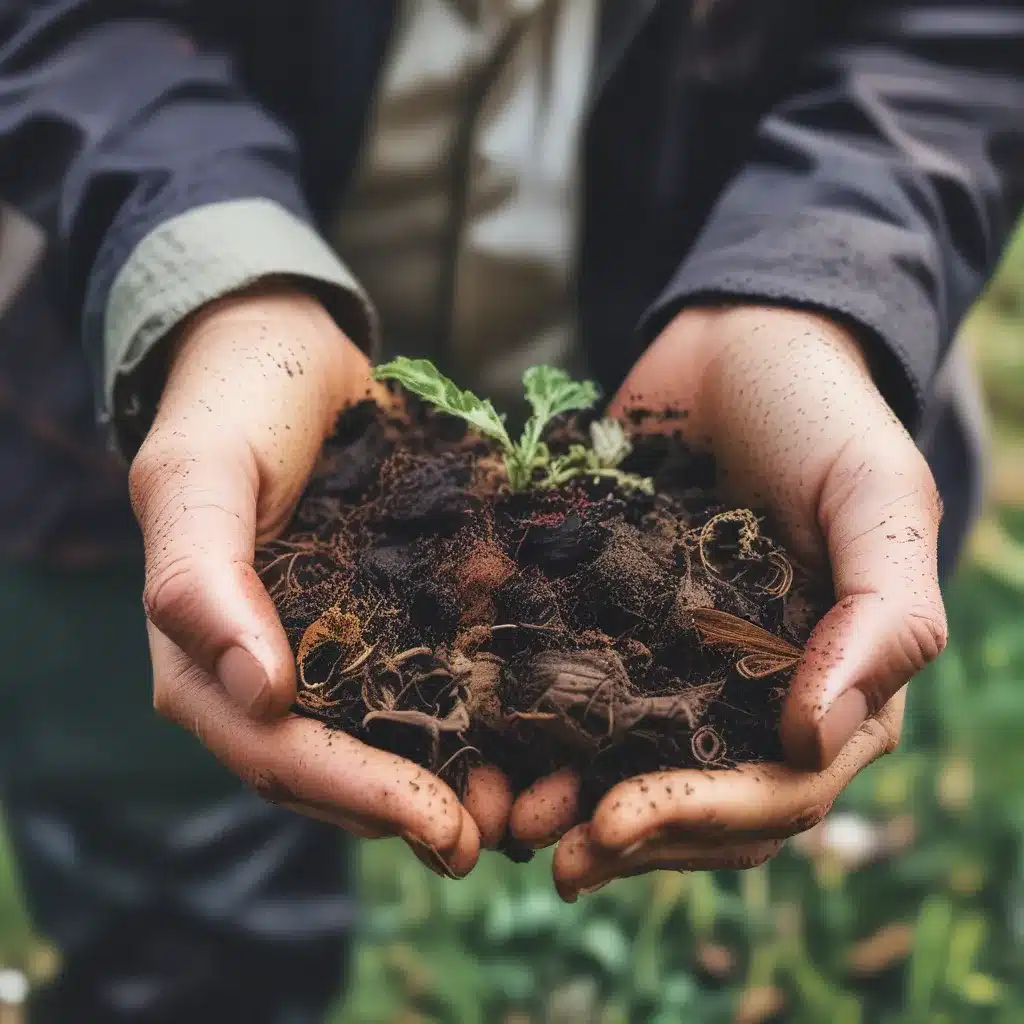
(197, 510)
(253, 388)
(879, 513)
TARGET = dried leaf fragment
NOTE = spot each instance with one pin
(765, 653)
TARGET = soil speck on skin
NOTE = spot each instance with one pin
(436, 615)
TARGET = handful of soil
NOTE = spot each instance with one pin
(438, 615)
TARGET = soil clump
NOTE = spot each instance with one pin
(435, 614)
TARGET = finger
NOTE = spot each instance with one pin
(466, 852)
(301, 763)
(582, 865)
(754, 801)
(546, 810)
(363, 828)
(488, 800)
(879, 512)
(244, 411)
(198, 518)
(457, 864)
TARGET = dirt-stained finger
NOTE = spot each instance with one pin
(297, 761)
(488, 800)
(362, 828)
(455, 863)
(548, 809)
(463, 857)
(756, 800)
(582, 865)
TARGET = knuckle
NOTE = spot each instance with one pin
(922, 640)
(885, 736)
(172, 592)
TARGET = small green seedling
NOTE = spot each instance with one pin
(529, 463)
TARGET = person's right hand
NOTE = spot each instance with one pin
(255, 384)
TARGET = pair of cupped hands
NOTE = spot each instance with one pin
(783, 398)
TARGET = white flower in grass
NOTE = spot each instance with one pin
(13, 987)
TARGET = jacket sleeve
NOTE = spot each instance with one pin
(881, 188)
(160, 183)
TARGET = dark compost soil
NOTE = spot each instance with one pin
(437, 615)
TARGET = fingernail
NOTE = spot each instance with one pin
(430, 858)
(848, 713)
(244, 679)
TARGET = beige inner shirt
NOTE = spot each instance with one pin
(462, 220)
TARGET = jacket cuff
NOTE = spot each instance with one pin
(204, 254)
(832, 263)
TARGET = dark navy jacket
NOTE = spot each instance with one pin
(862, 158)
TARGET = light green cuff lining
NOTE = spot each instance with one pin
(208, 253)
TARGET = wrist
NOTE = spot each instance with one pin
(720, 343)
(704, 331)
(705, 350)
(280, 314)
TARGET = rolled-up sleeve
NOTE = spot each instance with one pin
(160, 182)
(881, 188)
(210, 252)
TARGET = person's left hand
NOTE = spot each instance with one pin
(785, 401)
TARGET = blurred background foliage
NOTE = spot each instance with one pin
(905, 907)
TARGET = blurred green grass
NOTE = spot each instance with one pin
(907, 909)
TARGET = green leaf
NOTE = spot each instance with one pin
(551, 391)
(423, 379)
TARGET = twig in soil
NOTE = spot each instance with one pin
(412, 652)
(760, 666)
(354, 666)
(456, 721)
(458, 753)
(536, 627)
(283, 581)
